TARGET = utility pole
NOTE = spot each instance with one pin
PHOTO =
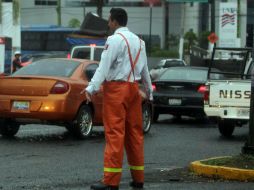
(59, 13)
(166, 5)
(1, 10)
(248, 148)
(212, 2)
(99, 7)
(150, 28)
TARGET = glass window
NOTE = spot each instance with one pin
(49, 67)
(184, 74)
(160, 64)
(90, 70)
(172, 63)
(45, 2)
(97, 54)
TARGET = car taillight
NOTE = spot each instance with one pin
(68, 55)
(204, 90)
(154, 87)
(59, 88)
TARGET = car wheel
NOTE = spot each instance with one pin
(83, 124)
(226, 128)
(147, 117)
(8, 127)
(155, 116)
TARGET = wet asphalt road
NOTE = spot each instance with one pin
(47, 157)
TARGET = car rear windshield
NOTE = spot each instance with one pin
(49, 67)
(173, 63)
(169, 63)
(189, 74)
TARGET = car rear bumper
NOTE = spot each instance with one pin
(44, 109)
(179, 110)
(227, 112)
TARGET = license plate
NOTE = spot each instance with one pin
(243, 112)
(21, 105)
(174, 102)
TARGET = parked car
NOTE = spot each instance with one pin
(48, 91)
(163, 65)
(180, 91)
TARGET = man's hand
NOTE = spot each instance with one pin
(88, 95)
(142, 94)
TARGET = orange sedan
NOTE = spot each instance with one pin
(48, 91)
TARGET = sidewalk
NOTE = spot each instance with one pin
(227, 173)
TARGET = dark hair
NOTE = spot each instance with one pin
(120, 15)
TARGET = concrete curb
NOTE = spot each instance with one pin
(221, 171)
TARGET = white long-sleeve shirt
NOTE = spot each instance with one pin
(115, 62)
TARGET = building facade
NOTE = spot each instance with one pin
(163, 19)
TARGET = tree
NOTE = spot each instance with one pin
(203, 39)
(191, 39)
(15, 11)
(74, 23)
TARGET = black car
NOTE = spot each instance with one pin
(180, 91)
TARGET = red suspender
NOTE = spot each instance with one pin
(130, 56)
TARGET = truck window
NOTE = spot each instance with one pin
(250, 70)
(97, 54)
(81, 54)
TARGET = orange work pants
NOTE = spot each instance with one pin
(122, 117)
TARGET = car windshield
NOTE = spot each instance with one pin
(171, 63)
(160, 64)
(193, 74)
(49, 67)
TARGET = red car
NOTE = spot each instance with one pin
(48, 90)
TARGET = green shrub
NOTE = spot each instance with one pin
(164, 53)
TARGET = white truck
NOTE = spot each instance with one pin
(91, 52)
(227, 101)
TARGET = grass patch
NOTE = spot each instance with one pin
(242, 161)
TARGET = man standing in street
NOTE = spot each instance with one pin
(123, 64)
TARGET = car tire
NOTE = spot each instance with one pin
(147, 117)
(226, 128)
(8, 127)
(83, 123)
(155, 116)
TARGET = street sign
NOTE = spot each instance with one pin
(213, 38)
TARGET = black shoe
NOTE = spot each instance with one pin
(102, 186)
(136, 185)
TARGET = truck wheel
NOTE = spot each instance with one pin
(83, 124)
(226, 128)
(8, 127)
(147, 117)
